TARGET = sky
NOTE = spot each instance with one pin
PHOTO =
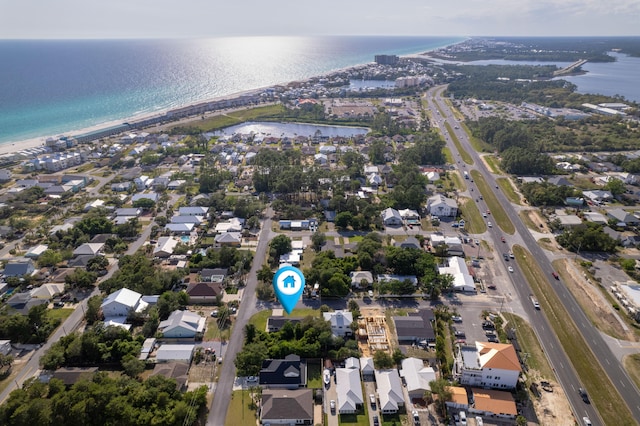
(39, 19)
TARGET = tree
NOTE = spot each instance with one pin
(382, 360)
(97, 264)
(280, 245)
(93, 312)
(318, 240)
(144, 203)
(441, 388)
(81, 278)
(264, 291)
(343, 219)
(249, 360)
(49, 258)
(170, 301)
(615, 186)
(132, 366)
(398, 356)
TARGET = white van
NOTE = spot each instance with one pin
(489, 225)
(463, 418)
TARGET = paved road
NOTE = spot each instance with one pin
(560, 362)
(248, 307)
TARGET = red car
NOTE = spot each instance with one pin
(555, 275)
(503, 240)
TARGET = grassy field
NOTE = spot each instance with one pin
(213, 332)
(61, 314)
(448, 155)
(491, 161)
(509, 190)
(236, 117)
(314, 374)
(239, 411)
(259, 320)
(602, 392)
(473, 221)
(500, 217)
(524, 217)
(632, 366)
(463, 154)
(529, 344)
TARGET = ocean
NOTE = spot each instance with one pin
(52, 87)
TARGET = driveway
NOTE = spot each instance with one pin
(331, 394)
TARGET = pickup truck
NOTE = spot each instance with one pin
(534, 301)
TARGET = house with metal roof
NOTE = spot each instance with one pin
(487, 365)
(415, 327)
(391, 217)
(340, 322)
(178, 352)
(193, 211)
(165, 247)
(441, 206)
(349, 390)
(417, 377)
(119, 303)
(361, 279)
(182, 324)
(19, 268)
(366, 368)
(89, 249)
(389, 390)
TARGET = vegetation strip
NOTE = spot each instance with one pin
(499, 215)
(602, 392)
(463, 154)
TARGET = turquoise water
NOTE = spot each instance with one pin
(56, 86)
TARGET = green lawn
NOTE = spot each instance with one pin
(473, 221)
(394, 419)
(509, 190)
(448, 155)
(463, 154)
(239, 411)
(314, 374)
(260, 319)
(213, 332)
(491, 161)
(61, 314)
(527, 339)
(304, 312)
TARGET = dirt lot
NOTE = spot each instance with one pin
(541, 224)
(552, 408)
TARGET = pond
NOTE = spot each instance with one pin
(266, 129)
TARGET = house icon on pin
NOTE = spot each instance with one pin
(289, 282)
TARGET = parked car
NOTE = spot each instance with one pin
(510, 268)
(372, 400)
(416, 417)
(456, 318)
(326, 375)
(555, 275)
(252, 379)
(376, 422)
(332, 406)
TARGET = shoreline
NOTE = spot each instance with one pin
(15, 146)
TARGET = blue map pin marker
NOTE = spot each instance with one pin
(288, 283)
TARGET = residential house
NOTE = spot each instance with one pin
(19, 268)
(182, 324)
(35, 251)
(488, 365)
(391, 217)
(622, 217)
(228, 239)
(213, 275)
(352, 362)
(409, 242)
(47, 291)
(5, 347)
(235, 224)
(196, 220)
(349, 390)
(176, 352)
(462, 279)
(176, 370)
(459, 398)
(153, 196)
(121, 302)
(415, 327)
(71, 375)
(493, 403)
(122, 186)
(289, 373)
(5, 175)
(129, 212)
(389, 391)
(204, 293)
(275, 323)
(193, 211)
(340, 322)
(89, 249)
(417, 377)
(361, 279)
(598, 196)
(410, 217)
(441, 206)
(179, 228)
(287, 407)
(366, 368)
(165, 247)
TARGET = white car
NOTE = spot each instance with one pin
(326, 375)
(510, 269)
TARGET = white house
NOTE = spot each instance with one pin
(366, 367)
(361, 279)
(349, 390)
(182, 324)
(487, 365)
(389, 390)
(391, 217)
(193, 211)
(340, 322)
(119, 303)
(462, 280)
(167, 353)
(417, 377)
(441, 206)
(165, 247)
(91, 249)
